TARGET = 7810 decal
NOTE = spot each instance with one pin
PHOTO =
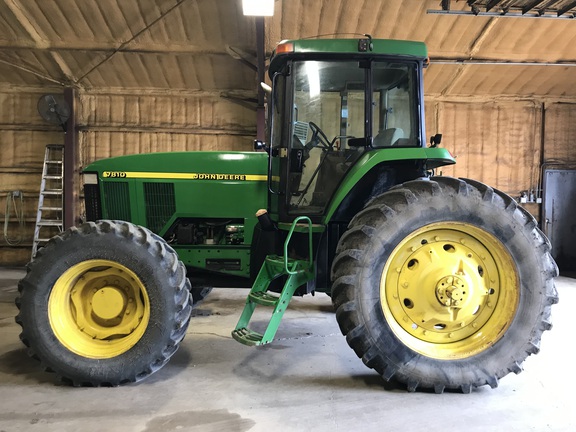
(114, 174)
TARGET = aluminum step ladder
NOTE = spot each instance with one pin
(50, 215)
(298, 272)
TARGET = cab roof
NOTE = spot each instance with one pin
(357, 48)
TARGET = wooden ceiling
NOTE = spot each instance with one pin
(185, 45)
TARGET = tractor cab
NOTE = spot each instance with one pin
(343, 117)
(332, 102)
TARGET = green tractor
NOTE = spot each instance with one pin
(437, 282)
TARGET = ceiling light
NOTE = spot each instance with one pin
(258, 7)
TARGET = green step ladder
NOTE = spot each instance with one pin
(298, 271)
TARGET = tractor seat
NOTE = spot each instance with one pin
(388, 137)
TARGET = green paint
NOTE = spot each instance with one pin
(157, 190)
(316, 228)
(435, 157)
(200, 257)
(185, 162)
(334, 47)
(297, 272)
(214, 185)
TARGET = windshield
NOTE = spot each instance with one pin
(330, 108)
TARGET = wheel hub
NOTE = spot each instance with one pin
(451, 291)
(99, 308)
(441, 290)
(108, 303)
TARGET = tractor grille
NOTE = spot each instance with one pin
(160, 204)
(92, 202)
(117, 199)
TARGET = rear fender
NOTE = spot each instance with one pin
(372, 174)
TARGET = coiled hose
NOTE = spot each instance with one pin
(14, 199)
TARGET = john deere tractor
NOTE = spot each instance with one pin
(437, 282)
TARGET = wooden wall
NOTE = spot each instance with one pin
(500, 142)
(496, 142)
(108, 125)
(560, 134)
(113, 125)
(23, 137)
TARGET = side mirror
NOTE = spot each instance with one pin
(359, 142)
(260, 145)
(435, 140)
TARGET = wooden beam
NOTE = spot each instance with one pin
(39, 40)
(108, 47)
(170, 130)
(492, 4)
(31, 71)
(541, 10)
(29, 127)
(531, 5)
(243, 57)
(71, 171)
(138, 33)
(566, 8)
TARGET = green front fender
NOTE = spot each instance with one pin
(433, 158)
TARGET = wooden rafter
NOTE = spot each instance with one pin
(514, 8)
(566, 8)
(491, 4)
(531, 5)
(38, 39)
(542, 9)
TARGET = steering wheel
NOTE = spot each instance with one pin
(318, 137)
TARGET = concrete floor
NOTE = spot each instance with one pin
(309, 380)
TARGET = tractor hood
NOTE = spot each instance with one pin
(219, 166)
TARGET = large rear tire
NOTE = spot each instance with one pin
(444, 284)
(104, 304)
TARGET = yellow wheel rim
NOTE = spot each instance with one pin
(449, 290)
(98, 309)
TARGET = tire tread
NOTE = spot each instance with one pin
(159, 251)
(353, 248)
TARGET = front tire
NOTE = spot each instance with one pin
(199, 293)
(443, 284)
(104, 304)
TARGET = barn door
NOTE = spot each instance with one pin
(559, 216)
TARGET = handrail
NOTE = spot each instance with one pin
(270, 148)
(289, 237)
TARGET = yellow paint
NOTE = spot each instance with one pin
(449, 290)
(98, 309)
(184, 176)
(108, 303)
